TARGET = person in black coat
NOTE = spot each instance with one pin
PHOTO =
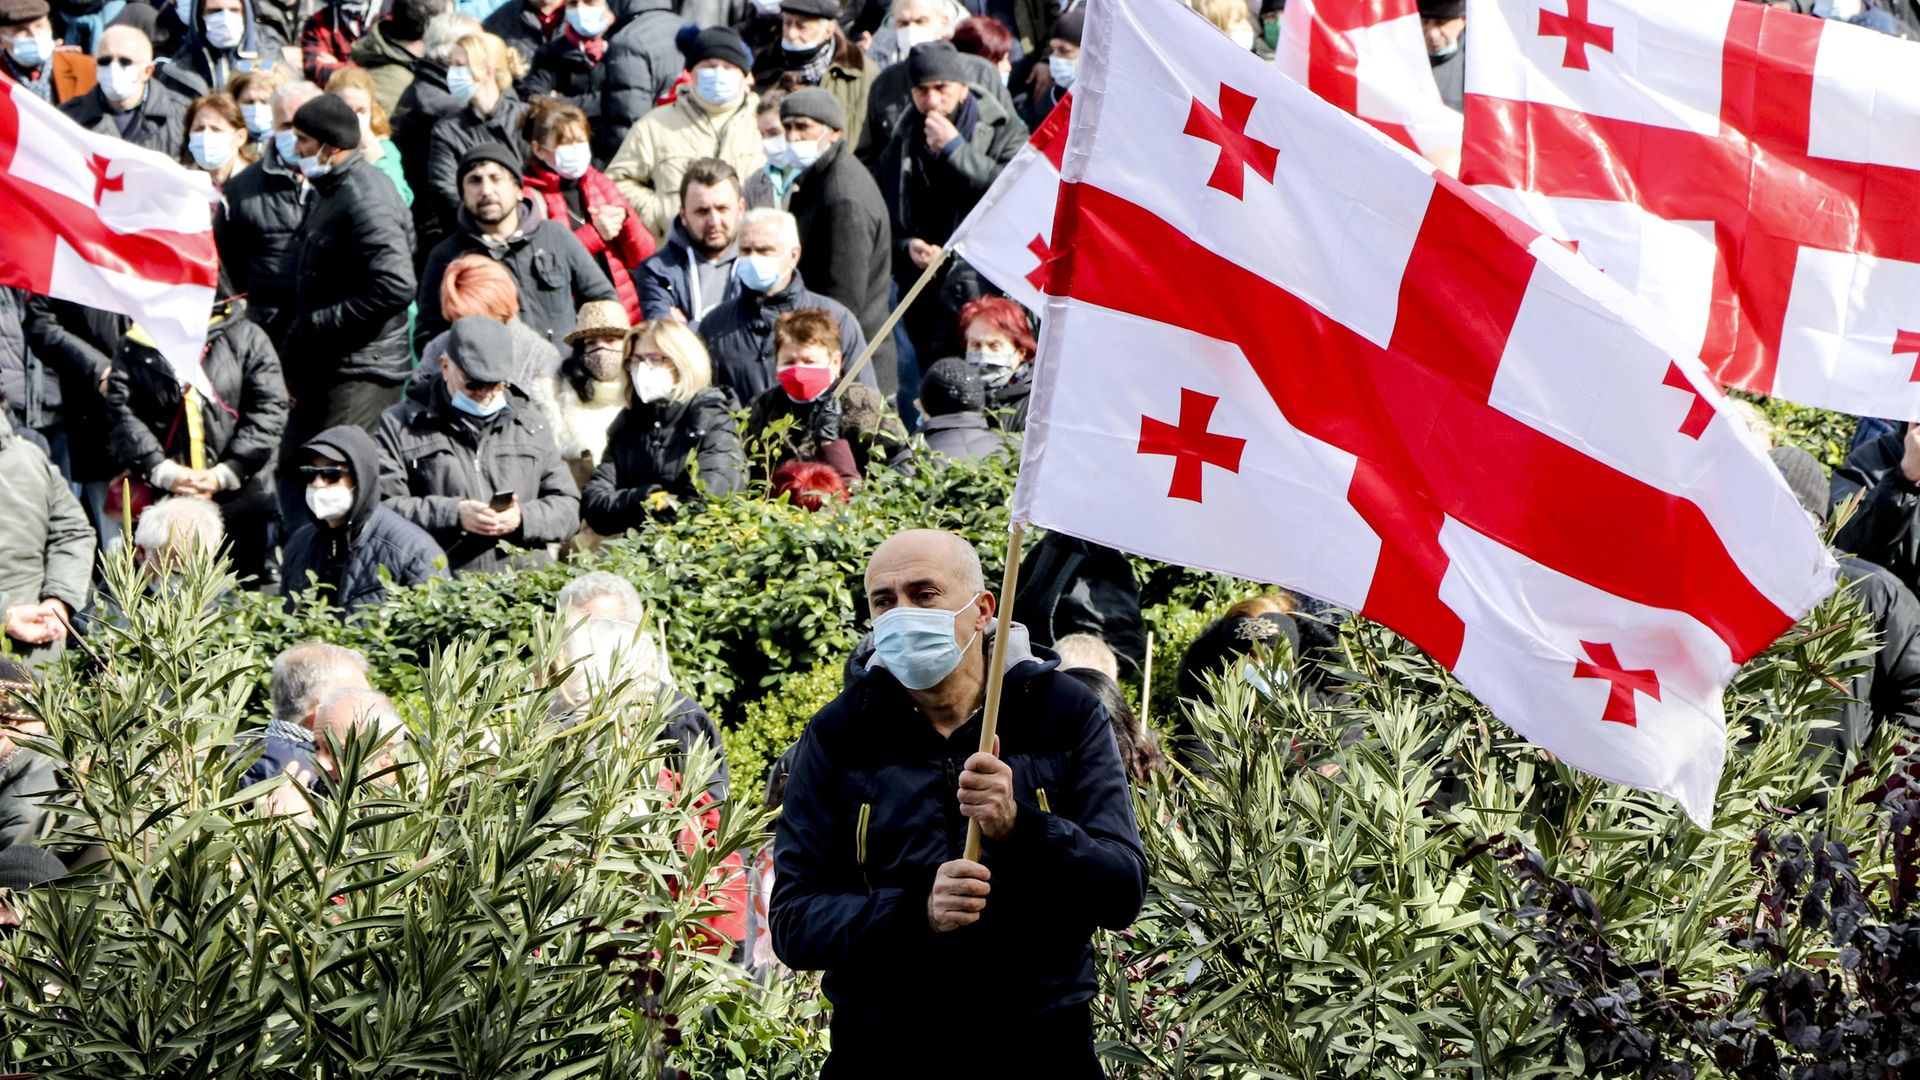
(491, 113)
(526, 25)
(224, 455)
(257, 226)
(845, 241)
(218, 45)
(1445, 24)
(129, 103)
(352, 537)
(641, 65)
(953, 401)
(554, 273)
(77, 342)
(679, 422)
(1885, 473)
(423, 105)
(871, 885)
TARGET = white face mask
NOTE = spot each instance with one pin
(119, 83)
(572, 160)
(1242, 35)
(210, 149)
(775, 149)
(718, 85)
(224, 28)
(652, 382)
(311, 167)
(589, 21)
(183, 10)
(909, 36)
(1062, 70)
(803, 153)
(767, 7)
(330, 503)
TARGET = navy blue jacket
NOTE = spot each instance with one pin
(872, 812)
(348, 559)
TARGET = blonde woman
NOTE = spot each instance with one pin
(1232, 19)
(675, 443)
(355, 87)
(480, 75)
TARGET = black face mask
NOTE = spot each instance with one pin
(792, 60)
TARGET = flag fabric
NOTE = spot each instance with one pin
(1370, 58)
(1005, 237)
(1750, 173)
(1279, 346)
(101, 222)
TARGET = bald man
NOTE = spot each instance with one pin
(919, 944)
(128, 103)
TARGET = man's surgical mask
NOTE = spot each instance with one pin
(224, 28)
(717, 85)
(473, 408)
(1241, 35)
(311, 167)
(589, 21)
(804, 152)
(767, 8)
(210, 149)
(1446, 52)
(328, 503)
(283, 145)
(460, 84)
(183, 10)
(119, 81)
(776, 151)
(31, 50)
(572, 160)
(259, 119)
(757, 272)
(1062, 70)
(652, 382)
(909, 36)
(917, 644)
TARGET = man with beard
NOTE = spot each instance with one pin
(553, 272)
(693, 272)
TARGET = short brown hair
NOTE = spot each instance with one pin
(549, 120)
(708, 172)
(807, 326)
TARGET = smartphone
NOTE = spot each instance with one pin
(501, 500)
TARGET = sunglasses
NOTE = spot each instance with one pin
(332, 474)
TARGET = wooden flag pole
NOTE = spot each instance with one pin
(997, 664)
(886, 328)
(1146, 683)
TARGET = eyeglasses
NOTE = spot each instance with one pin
(332, 474)
(650, 358)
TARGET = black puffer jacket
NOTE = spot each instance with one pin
(423, 105)
(432, 456)
(454, 135)
(160, 122)
(512, 23)
(845, 241)
(648, 448)
(355, 280)
(641, 64)
(78, 342)
(739, 336)
(241, 430)
(871, 813)
(348, 559)
(552, 269)
(257, 226)
(1889, 691)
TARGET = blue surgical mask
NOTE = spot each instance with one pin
(589, 21)
(31, 50)
(210, 149)
(311, 167)
(717, 85)
(283, 145)
(917, 645)
(460, 84)
(1062, 70)
(757, 272)
(473, 408)
(259, 119)
(1446, 52)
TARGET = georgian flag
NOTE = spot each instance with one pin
(1750, 173)
(98, 221)
(1370, 58)
(1005, 237)
(1280, 346)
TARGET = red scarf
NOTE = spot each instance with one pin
(626, 252)
(595, 48)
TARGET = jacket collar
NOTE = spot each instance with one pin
(336, 176)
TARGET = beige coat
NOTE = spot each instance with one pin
(658, 150)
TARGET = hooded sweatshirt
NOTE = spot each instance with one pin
(347, 558)
(199, 67)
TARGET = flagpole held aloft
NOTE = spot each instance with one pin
(997, 658)
(886, 328)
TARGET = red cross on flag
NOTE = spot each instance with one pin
(1005, 237)
(1370, 58)
(98, 221)
(1750, 173)
(1345, 373)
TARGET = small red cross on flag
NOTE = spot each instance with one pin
(1397, 398)
(1579, 31)
(1005, 237)
(1908, 341)
(1369, 57)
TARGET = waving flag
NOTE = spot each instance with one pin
(1279, 346)
(1369, 58)
(1005, 237)
(1750, 173)
(99, 221)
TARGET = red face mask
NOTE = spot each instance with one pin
(804, 382)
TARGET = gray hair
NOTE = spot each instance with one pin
(789, 227)
(1088, 652)
(595, 584)
(175, 527)
(299, 88)
(304, 673)
(364, 709)
(606, 655)
(445, 30)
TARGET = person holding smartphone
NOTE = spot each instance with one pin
(475, 465)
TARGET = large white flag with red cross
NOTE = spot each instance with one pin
(1751, 173)
(1280, 346)
(1005, 237)
(1370, 58)
(99, 221)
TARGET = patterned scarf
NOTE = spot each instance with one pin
(811, 67)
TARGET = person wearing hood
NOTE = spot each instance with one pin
(560, 177)
(128, 102)
(392, 48)
(224, 38)
(693, 272)
(32, 57)
(346, 352)
(327, 37)
(739, 332)
(932, 173)
(476, 466)
(262, 212)
(554, 273)
(815, 53)
(1444, 22)
(845, 239)
(184, 443)
(676, 414)
(352, 538)
(871, 883)
(480, 79)
(712, 120)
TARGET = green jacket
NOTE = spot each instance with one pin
(46, 541)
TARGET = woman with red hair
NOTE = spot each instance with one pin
(475, 284)
(998, 337)
(809, 485)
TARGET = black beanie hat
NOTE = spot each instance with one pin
(1069, 27)
(935, 61)
(717, 42)
(1443, 9)
(1805, 478)
(329, 120)
(952, 386)
(483, 153)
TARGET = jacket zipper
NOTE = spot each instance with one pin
(860, 844)
(1040, 796)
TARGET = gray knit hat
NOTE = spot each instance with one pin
(814, 104)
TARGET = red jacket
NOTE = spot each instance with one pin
(619, 257)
